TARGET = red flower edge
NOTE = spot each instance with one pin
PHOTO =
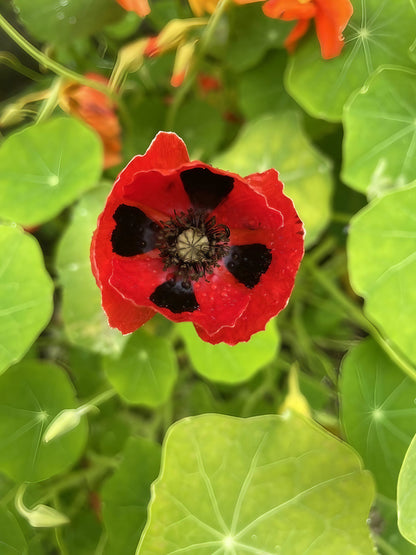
(195, 243)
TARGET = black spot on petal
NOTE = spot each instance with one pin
(247, 263)
(134, 233)
(176, 296)
(205, 188)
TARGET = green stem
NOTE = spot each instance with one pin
(203, 48)
(385, 546)
(102, 397)
(76, 479)
(360, 320)
(48, 62)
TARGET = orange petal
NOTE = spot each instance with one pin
(331, 19)
(289, 10)
(296, 33)
(141, 7)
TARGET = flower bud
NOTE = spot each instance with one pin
(43, 516)
(64, 422)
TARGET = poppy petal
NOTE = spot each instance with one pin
(121, 314)
(272, 292)
(166, 152)
(176, 296)
(331, 19)
(153, 191)
(248, 263)
(205, 188)
(134, 233)
(221, 300)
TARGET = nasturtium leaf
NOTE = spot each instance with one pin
(26, 294)
(378, 411)
(380, 132)
(83, 533)
(382, 264)
(379, 32)
(383, 523)
(63, 21)
(200, 144)
(230, 364)
(260, 91)
(45, 167)
(126, 494)
(12, 540)
(145, 372)
(251, 35)
(84, 320)
(268, 484)
(279, 142)
(406, 494)
(32, 393)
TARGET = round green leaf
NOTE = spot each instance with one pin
(200, 144)
(266, 485)
(126, 494)
(379, 32)
(63, 21)
(250, 36)
(406, 495)
(279, 142)
(380, 132)
(378, 411)
(382, 264)
(12, 540)
(84, 319)
(261, 90)
(31, 395)
(145, 372)
(230, 364)
(26, 291)
(45, 167)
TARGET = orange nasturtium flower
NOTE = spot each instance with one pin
(141, 7)
(97, 111)
(331, 18)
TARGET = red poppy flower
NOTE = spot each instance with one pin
(195, 243)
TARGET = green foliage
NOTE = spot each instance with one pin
(145, 372)
(52, 177)
(25, 299)
(378, 412)
(268, 484)
(239, 472)
(12, 538)
(66, 20)
(126, 494)
(224, 363)
(406, 494)
(382, 264)
(380, 132)
(27, 407)
(379, 32)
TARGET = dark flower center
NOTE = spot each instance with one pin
(192, 244)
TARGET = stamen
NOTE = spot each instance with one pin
(192, 244)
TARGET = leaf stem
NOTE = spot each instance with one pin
(48, 62)
(360, 320)
(202, 50)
